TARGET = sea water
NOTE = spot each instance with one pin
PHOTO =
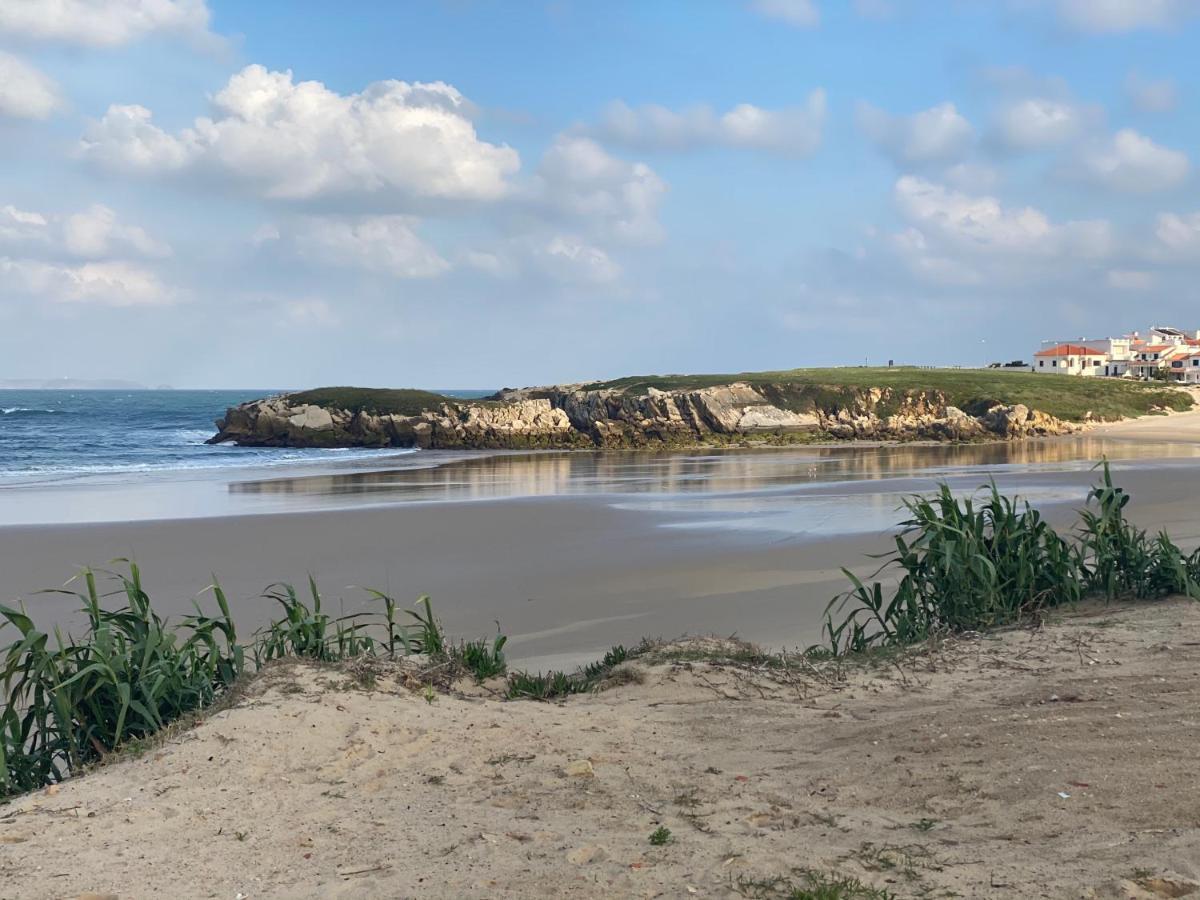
(57, 435)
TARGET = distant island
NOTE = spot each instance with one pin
(72, 384)
(765, 408)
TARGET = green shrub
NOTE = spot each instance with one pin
(963, 566)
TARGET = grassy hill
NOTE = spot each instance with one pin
(973, 390)
(1064, 396)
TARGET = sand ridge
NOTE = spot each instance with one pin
(1057, 762)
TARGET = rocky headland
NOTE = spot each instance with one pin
(585, 416)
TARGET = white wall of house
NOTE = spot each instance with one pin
(1089, 365)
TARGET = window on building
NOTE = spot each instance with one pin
(1042, 363)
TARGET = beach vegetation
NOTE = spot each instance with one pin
(963, 565)
(557, 684)
(809, 884)
(660, 836)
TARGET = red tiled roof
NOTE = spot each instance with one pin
(1070, 350)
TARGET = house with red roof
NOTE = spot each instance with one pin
(1069, 359)
(1163, 352)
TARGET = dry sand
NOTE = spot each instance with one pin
(1169, 428)
(1058, 762)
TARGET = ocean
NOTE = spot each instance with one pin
(57, 435)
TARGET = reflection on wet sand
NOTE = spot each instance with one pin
(707, 472)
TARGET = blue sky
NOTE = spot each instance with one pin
(477, 193)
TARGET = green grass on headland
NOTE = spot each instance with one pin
(381, 401)
(1066, 397)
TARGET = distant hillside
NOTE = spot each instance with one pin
(68, 384)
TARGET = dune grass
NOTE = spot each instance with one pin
(966, 566)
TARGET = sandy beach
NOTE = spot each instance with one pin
(997, 766)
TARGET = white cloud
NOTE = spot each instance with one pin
(937, 134)
(1131, 279)
(90, 234)
(1132, 162)
(1116, 16)
(799, 13)
(301, 140)
(792, 131)
(96, 232)
(1037, 122)
(960, 238)
(385, 244)
(1180, 235)
(25, 93)
(617, 199)
(1149, 95)
(116, 284)
(570, 259)
(20, 226)
(102, 23)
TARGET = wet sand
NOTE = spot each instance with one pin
(619, 546)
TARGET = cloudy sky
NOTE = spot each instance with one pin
(476, 193)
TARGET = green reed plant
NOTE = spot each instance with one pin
(962, 565)
(70, 700)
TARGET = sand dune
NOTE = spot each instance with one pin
(1055, 763)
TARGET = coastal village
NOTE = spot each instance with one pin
(1163, 354)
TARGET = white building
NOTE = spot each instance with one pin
(1163, 352)
(1069, 359)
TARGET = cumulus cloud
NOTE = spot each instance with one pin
(1116, 16)
(1179, 235)
(90, 234)
(36, 249)
(1131, 162)
(959, 238)
(617, 199)
(937, 134)
(387, 244)
(102, 23)
(95, 232)
(25, 93)
(798, 13)
(18, 226)
(570, 259)
(301, 140)
(1149, 95)
(113, 283)
(1037, 122)
(793, 131)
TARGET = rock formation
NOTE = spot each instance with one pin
(574, 416)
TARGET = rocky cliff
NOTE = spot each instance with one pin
(574, 416)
